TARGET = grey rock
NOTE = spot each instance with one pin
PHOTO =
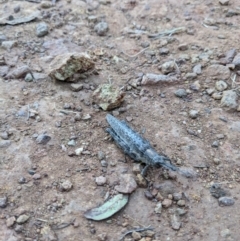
(101, 28)
(2, 38)
(22, 219)
(4, 135)
(167, 203)
(39, 76)
(175, 222)
(127, 184)
(166, 188)
(183, 47)
(221, 85)
(193, 114)
(71, 143)
(236, 61)
(218, 71)
(226, 201)
(158, 208)
(17, 9)
(4, 70)
(43, 139)
(177, 196)
(28, 78)
(5, 143)
(181, 203)
(41, 29)
(215, 144)
(190, 76)
(154, 79)
(66, 186)
(18, 228)
(229, 100)
(87, 117)
(197, 69)
(163, 51)
(228, 57)
(101, 155)
(225, 233)
(48, 234)
(101, 180)
(168, 67)
(8, 45)
(232, 12)
(10, 221)
(217, 96)
(104, 163)
(224, 2)
(3, 202)
(180, 211)
(210, 91)
(181, 93)
(136, 236)
(76, 87)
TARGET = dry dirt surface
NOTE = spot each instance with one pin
(189, 112)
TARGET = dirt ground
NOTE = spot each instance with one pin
(31, 173)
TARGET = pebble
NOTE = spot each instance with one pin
(102, 237)
(41, 29)
(78, 117)
(78, 151)
(168, 67)
(180, 211)
(72, 143)
(224, 2)
(10, 221)
(216, 161)
(210, 91)
(8, 45)
(76, 87)
(22, 180)
(183, 47)
(5, 143)
(136, 168)
(36, 176)
(221, 85)
(4, 135)
(141, 181)
(167, 203)
(158, 208)
(22, 219)
(101, 155)
(191, 76)
(193, 114)
(218, 71)
(197, 69)
(136, 235)
(101, 28)
(226, 201)
(181, 93)
(217, 96)
(177, 196)
(3, 202)
(215, 144)
(229, 100)
(87, 117)
(104, 163)
(163, 51)
(127, 184)
(175, 222)
(148, 195)
(17, 9)
(46, 4)
(225, 233)
(48, 234)
(43, 139)
(236, 61)
(101, 180)
(181, 203)
(28, 77)
(66, 186)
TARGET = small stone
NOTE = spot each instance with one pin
(220, 136)
(86, 117)
(141, 181)
(102, 237)
(41, 29)
(181, 93)
(180, 211)
(10, 221)
(226, 201)
(168, 67)
(236, 61)
(148, 195)
(177, 196)
(217, 96)
(221, 85)
(136, 168)
(193, 114)
(66, 186)
(101, 180)
(218, 71)
(136, 235)
(101, 155)
(101, 28)
(3, 202)
(127, 184)
(129, 118)
(104, 163)
(48, 234)
(22, 219)
(224, 2)
(78, 151)
(216, 161)
(76, 87)
(190, 76)
(158, 208)
(5, 143)
(8, 45)
(36, 176)
(28, 78)
(183, 47)
(149, 234)
(43, 139)
(18, 228)
(175, 222)
(225, 233)
(210, 91)
(46, 4)
(215, 144)
(229, 100)
(4, 135)
(78, 117)
(181, 203)
(72, 143)
(163, 51)
(22, 180)
(197, 69)
(167, 203)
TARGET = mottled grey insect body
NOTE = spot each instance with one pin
(135, 146)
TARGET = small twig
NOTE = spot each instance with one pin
(66, 112)
(135, 55)
(63, 225)
(135, 230)
(42, 220)
(167, 33)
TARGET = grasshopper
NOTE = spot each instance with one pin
(138, 148)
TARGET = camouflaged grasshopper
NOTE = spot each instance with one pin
(138, 148)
